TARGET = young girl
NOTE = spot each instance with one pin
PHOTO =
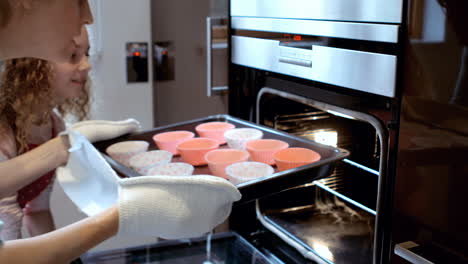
(34, 97)
(21, 35)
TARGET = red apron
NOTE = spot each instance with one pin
(31, 191)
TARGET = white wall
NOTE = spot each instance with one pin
(122, 21)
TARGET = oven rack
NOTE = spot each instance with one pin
(337, 189)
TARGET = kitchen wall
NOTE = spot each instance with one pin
(121, 22)
(183, 23)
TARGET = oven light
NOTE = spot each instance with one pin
(329, 138)
(340, 114)
(322, 250)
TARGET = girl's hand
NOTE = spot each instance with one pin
(160, 206)
(174, 207)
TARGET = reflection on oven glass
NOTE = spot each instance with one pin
(323, 250)
(340, 114)
(323, 136)
(215, 249)
(208, 249)
(329, 127)
(332, 228)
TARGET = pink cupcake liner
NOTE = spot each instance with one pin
(219, 159)
(169, 140)
(263, 150)
(214, 130)
(193, 150)
(295, 157)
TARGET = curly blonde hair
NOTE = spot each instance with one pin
(25, 83)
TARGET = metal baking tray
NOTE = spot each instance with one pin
(259, 187)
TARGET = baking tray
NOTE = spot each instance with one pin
(250, 190)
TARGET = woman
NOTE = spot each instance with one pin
(41, 28)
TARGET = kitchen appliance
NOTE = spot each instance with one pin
(385, 80)
(364, 75)
(330, 75)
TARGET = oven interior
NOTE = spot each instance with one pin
(330, 220)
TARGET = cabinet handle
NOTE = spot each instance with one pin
(210, 90)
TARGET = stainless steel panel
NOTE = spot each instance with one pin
(431, 174)
(403, 250)
(347, 30)
(210, 90)
(364, 71)
(384, 11)
(255, 53)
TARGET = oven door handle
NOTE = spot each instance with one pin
(210, 90)
(298, 62)
(404, 251)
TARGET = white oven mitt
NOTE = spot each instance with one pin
(87, 178)
(170, 207)
(174, 207)
(97, 130)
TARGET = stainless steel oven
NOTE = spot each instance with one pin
(386, 80)
(328, 72)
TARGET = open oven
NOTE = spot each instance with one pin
(347, 74)
(386, 80)
(329, 76)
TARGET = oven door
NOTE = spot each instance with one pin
(336, 219)
(220, 248)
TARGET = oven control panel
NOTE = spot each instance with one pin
(359, 70)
